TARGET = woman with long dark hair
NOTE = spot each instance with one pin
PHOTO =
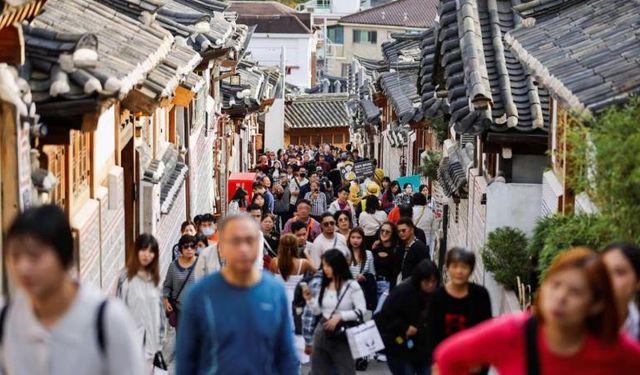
(384, 251)
(573, 329)
(238, 202)
(403, 322)
(623, 261)
(387, 194)
(339, 300)
(371, 220)
(138, 288)
(361, 260)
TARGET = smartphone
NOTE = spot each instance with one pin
(304, 286)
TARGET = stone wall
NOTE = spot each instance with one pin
(112, 229)
(201, 172)
(86, 224)
(168, 232)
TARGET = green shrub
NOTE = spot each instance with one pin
(430, 165)
(505, 255)
(573, 230)
(544, 225)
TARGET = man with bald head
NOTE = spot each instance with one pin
(237, 320)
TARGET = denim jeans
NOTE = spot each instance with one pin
(399, 366)
(383, 292)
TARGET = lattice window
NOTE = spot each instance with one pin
(80, 161)
(54, 161)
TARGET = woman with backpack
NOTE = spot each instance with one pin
(574, 329)
(138, 288)
(340, 303)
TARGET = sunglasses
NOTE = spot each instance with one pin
(189, 246)
(385, 231)
(328, 223)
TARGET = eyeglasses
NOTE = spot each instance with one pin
(328, 223)
(188, 246)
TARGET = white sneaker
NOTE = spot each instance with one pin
(380, 357)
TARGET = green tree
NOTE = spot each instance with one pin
(505, 255)
(430, 164)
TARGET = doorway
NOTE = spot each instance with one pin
(129, 166)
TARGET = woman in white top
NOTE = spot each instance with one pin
(290, 269)
(371, 220)
(423, 218)
(138, 288)
(340, 299)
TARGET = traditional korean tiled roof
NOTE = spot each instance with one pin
(590, 62)
(18, 10)
(403, 52)
(488, 88)
(453, 169)
(434, 101)
(543, 8)
(272, 17)
(80, 49)
(135, 8)
(317, 111)
(170, 173)
(202, 27)
(256, 84)
(404, 13)
(400, 88)
(162, 80)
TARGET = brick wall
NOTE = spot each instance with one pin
(201, 172)
(458, 218)
(112, 229)
(168, 232)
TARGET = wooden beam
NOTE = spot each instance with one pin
(139, 102)
(183, 96)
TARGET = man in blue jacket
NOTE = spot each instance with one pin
(236, 321)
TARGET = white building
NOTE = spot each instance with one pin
(277, 26)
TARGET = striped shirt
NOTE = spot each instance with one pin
(369, 267)
(176, 276)
(319, 204)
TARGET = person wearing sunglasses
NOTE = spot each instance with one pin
(179, 277)
(327, 240)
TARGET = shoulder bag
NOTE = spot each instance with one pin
(173, 315)
(340, 332)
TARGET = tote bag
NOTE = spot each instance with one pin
(364, 339)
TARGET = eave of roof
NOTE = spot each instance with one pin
(317, 111)
(588, 63)
(403, 13)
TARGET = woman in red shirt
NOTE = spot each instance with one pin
(574, 329)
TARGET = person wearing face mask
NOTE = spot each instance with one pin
(573, 329)
(138, 288)
(208, 227)
(187, 228)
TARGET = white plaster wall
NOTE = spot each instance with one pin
(514, 205)
(345, 6)
(105, 138)
(274, 126)
(266, 48)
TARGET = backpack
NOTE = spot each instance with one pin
(99, 323)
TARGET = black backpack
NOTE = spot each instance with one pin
(100, 334)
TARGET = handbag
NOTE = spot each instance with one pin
(173, 315)
(159, 364)
(339, 332)
(364, 339)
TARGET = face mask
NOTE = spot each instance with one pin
(207, 231)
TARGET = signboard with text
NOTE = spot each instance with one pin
(364, 168)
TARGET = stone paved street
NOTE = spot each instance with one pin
(375, 368)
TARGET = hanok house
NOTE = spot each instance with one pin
(587, 65)
(499, 116)
(175, 112)
(83, 57)
(390, 117)
(22, 184)
(316, 119)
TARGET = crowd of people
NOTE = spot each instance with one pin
(277, 282)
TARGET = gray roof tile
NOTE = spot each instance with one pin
(317, 111)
